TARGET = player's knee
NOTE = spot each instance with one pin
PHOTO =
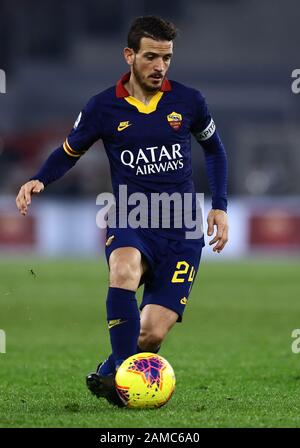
(150, 340)
(124, 274)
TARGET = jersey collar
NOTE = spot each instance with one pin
(121, 92)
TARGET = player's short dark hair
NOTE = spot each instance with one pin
(150, 26)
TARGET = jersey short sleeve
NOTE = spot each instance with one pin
(86, 130)
(202, 126)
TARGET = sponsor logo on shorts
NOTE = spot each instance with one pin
(109, 240)
(183, 301)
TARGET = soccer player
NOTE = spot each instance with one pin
(145, 122)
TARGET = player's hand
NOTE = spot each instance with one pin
(218, 218)
(23, 200)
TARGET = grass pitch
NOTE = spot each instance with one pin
(231, 355)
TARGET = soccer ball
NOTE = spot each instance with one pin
(145, 380)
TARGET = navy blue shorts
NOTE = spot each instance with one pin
(173, 265)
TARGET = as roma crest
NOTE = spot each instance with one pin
(174, 120)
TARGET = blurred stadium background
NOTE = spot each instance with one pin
(239, 53)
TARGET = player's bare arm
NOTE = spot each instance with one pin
(219, 219)
(23, 199)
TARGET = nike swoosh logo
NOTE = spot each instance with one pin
(122, 127)
(109, 240)
(113, 323)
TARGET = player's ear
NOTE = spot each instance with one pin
(128, 55)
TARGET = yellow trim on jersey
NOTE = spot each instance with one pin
(145, 108)
(69, 150)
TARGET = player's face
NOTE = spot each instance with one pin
(150, 64)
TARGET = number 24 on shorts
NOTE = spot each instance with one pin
(183, 272)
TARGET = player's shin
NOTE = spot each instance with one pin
(123, 322)
(141, 350)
